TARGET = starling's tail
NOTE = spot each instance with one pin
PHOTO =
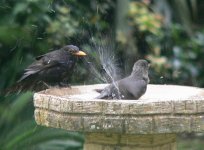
(103, 93)
(98, 90)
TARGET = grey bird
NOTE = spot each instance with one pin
(131, 87)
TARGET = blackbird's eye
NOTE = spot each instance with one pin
(72, 51)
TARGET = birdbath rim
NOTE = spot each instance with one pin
(155, 92)
(62, 108)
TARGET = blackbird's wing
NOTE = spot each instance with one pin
(33, 75)
(50, 55)
(39, 57)
(42, 62)
(29, 80)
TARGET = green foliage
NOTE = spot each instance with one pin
(143, 19)
(174, 50)
(19, 130)
(190, 143)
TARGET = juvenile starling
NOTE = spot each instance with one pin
(131, 87)
(52, 68)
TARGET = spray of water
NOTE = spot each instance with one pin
(108, 62)
(94, 71)
(105, 48)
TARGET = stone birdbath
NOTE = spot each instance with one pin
(152, 122)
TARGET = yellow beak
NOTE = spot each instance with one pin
(80, 53)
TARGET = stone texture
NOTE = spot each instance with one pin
(113, 125)
(71, 123)
(139, 125)
(77, 107)
(171, 124)
(151, 108)
(54, 104)
(185, 107)
(130, 142)
(41, 101)
(197, 124)
(100, 138)
(96, 107)
(66, 106)
(200, 106)
(93, 124)
(112, 107)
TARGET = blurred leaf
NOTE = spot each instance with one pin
(184, 14)
(20, 7)
(25, 134)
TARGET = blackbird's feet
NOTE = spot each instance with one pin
(62, 84)
(45, 85)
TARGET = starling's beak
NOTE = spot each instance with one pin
(80, 53)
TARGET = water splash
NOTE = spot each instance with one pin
(108, 62)
(105, 48)
(94, 71)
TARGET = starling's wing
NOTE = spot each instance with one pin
(137, 88)
(106, 93)
(110, 92)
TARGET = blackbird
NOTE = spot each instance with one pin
(131, 87)
(53, 68)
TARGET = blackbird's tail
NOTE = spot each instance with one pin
(27, 82)
(16, 88)
(24, 86)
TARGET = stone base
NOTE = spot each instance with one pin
(100, 141)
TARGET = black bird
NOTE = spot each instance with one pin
(52, 68)
(131, 87)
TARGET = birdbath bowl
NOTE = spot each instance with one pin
(151, 122)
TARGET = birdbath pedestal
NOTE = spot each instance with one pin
(151, 122)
